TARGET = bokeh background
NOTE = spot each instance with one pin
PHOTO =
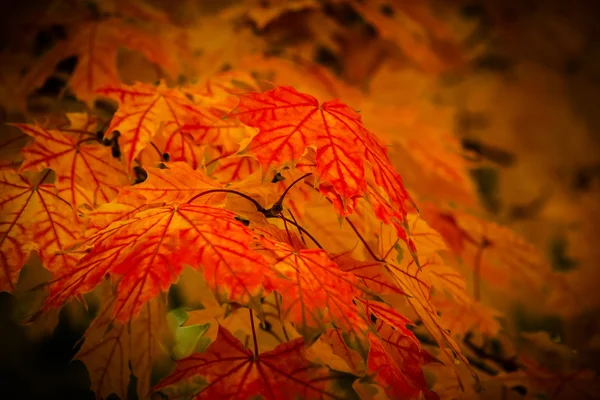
(506, 92)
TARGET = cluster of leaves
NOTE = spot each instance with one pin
(320, 276)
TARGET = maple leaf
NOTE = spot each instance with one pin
(397, 363)
(231, 371)
(86, 172)
(371, 273)
(96, 44)
(144, 109)
(423, 38)
(177, 184)
(109, 348)
(234, 168)
(33, 217)
(314, 289)
(220, 90)
(262, 15)
(177, 147)
(147, 252)
(496, 252)
(415, 282)
(565, 384)
(289, 122)
(335, 339)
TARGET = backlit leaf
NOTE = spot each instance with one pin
(144, 109)
(86, 172)
(34, 217)
(289, 122)
(95, 43)
(231, 371)
(314, 289)
(109, 349)
(146, 253)
(177, 184)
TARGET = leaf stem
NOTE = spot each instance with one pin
(296, 222)
(477, 270)
(364, 242)
(282, 197)
(253, 334)
(300, 228)
(259, 208)
(160, 155)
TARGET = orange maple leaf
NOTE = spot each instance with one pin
(423, 38)
(146, 254)
(96, 43)
(144, 109)
(232, 371)
(177, 183)
(234, 168)
(34, 217)
(110, 348)
(314, 289)
(334, 338)
(290, 121)
(85, 170)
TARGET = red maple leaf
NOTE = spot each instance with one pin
(233, 372)
(289, 122)
(314, 289)
(146, 254)
(396, 360)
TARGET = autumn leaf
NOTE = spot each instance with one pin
(234, 168)
(369, 273)
(144, 109)
(414, 282)
(86, 172)
(95, 44)
(496, 252)
(34, 217)
(289, 122)
(219, 91)
(463, 317)
(335, 339)
(109, 349)
(424, 39)
(396, 361)
(146, 254)
(565, 384)
(177, 183)
(262, 15)
(314, 289)
(231, 371)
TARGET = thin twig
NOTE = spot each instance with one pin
(282, 197)
(364, 242)
(301, 229)
(253, 334)
(259, 208)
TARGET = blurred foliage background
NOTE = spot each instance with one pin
(509, 88)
